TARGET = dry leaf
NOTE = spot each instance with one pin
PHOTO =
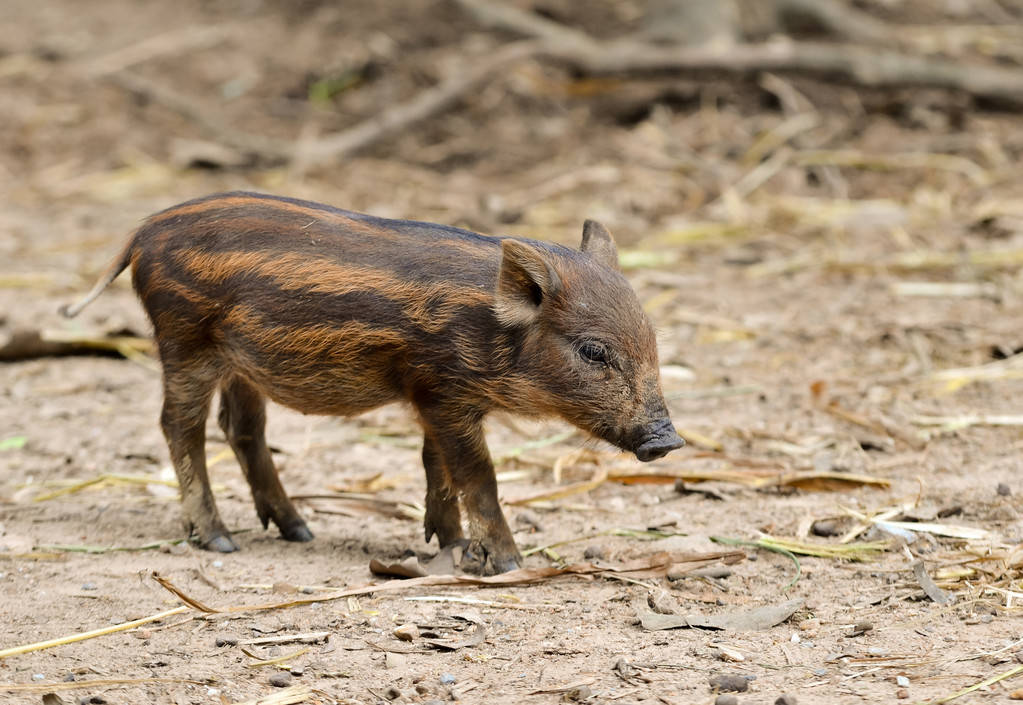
(757, 619)
(831, 481)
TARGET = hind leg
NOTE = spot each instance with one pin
(186, 403)
(243, 419)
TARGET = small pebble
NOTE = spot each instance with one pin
(861, 628)
(1003, 489)
(821, 672)
(901, 693)
(69, 678)
(393, 660)
(218, 564)
(88, 586)
(902, 681)
(827, 527)
(594, 553)
(726, 700)
(786, 699)
(306, 590)
(226, 641)
(296, 670)
(447, 679)
(729, 683)
(38, 677)
(92, 700)
(406, 632)
(281, 679)
(392, 693)
(1016, 694)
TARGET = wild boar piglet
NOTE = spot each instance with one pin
(328, 311)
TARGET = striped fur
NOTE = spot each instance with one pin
(333, 312)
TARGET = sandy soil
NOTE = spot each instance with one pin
(761, 296)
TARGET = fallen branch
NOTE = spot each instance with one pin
(425, 105)
(864, 66)
(264, 148)
(860, 65)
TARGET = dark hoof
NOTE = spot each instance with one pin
(221, 544)
(297, 532)
(477, 559)
(505, 566)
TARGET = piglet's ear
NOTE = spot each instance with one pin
(526, 278)
(598, 243)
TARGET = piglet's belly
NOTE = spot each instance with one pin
(325, 383)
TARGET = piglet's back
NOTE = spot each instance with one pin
(223, 233)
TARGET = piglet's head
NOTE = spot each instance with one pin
(587, 351)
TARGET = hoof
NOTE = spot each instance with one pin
(477, 559)
(297, 532)
(221, 544)
(505, 566)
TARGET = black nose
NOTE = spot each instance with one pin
(660, 440)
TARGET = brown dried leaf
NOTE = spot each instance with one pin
(827, 481)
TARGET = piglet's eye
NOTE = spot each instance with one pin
(594, 353)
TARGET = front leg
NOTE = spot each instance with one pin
(442, 515)
(460, 444)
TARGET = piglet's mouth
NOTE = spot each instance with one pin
(657, 440)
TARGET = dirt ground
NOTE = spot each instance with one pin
(795, 329)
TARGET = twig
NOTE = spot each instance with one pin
(838, 19)
(983, 684)
(82, 636)
(425, 105)
(770, 547)
(88, 685)
(265, 148)
(274, 661)
(178, 41)
(529, 24)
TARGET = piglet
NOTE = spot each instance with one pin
(328, 311)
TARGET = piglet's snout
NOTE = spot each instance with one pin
(657, 439)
